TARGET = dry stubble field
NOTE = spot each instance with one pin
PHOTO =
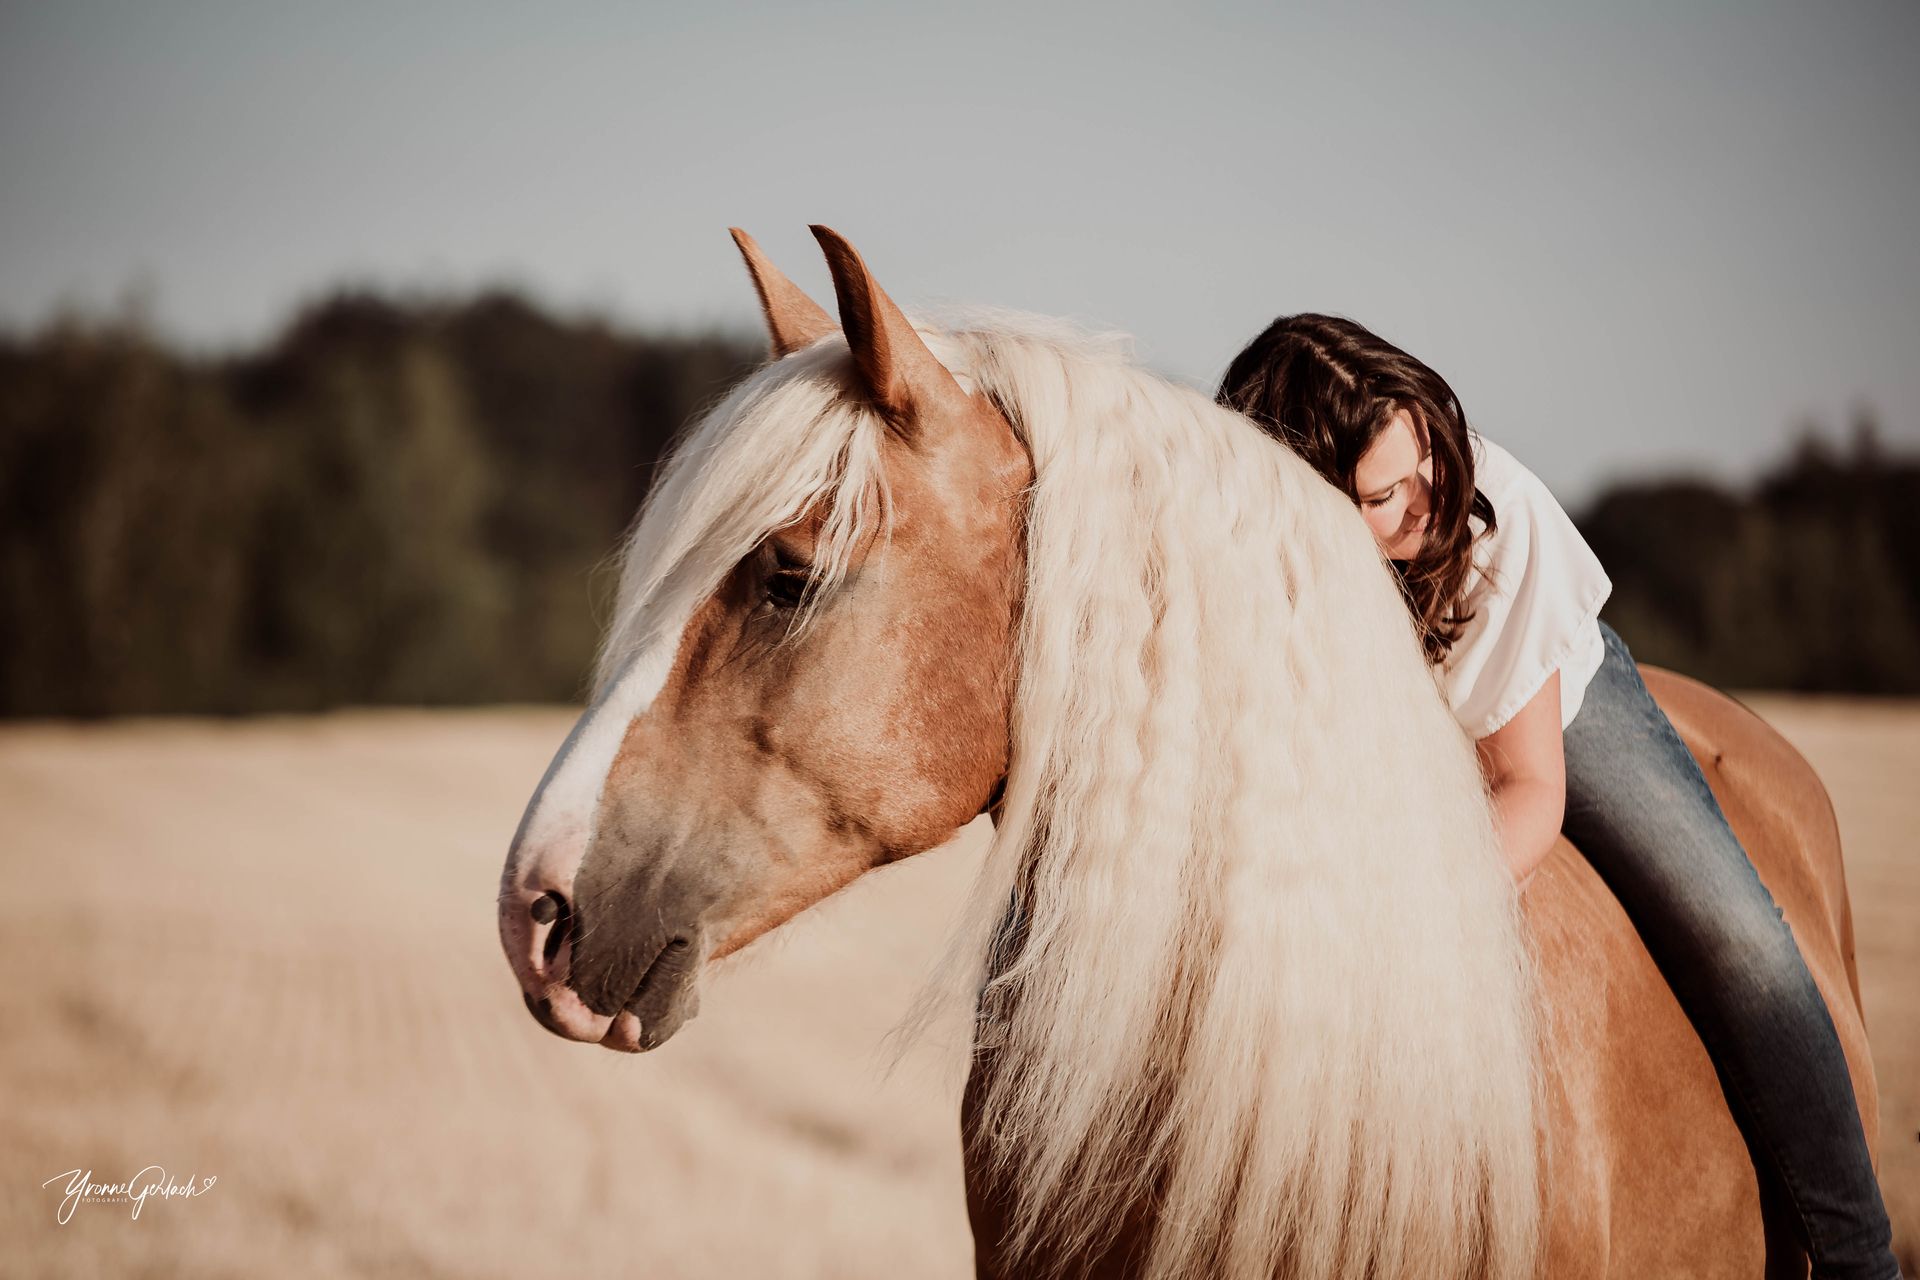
(264, 952)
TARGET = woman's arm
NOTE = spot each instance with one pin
(1526, 772)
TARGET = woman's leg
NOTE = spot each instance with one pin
(1640, 810)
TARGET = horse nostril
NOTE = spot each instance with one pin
(678, 944)
(551, 908)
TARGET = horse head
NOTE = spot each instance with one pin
(808, 676)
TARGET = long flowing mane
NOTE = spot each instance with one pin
(1274, 975)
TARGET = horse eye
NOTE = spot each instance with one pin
(788, 581)
(785, 588)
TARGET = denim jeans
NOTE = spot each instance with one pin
(1640, 810)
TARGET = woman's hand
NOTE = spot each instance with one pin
(1526, 772)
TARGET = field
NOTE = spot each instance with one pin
(263, 952)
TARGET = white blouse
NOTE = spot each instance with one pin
(1535, 591)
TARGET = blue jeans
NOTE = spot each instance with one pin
(1640, 810)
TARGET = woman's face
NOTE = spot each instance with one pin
(1393, 484)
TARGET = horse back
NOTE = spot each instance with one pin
(1648, 1172)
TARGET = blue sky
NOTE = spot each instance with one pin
(1634, 237)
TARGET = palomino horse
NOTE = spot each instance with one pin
(1277, 1009)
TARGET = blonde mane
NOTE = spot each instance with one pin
(1274, 975)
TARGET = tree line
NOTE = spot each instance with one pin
(1809, 580)
(414, 501)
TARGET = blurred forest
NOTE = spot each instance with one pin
(1810, 581)
(393, 502)
(413, 501)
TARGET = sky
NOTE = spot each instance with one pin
(1634, 237)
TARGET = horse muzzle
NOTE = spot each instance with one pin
(591, 979)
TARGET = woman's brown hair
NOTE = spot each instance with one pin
(1326, 388)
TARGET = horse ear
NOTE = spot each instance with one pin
(793, 319)
(896, 370)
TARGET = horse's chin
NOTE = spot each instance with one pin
(628, 1034)
(653, 1017)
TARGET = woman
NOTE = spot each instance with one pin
(1506, 597)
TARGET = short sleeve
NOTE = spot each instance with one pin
(1534, 593)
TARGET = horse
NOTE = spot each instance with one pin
(1277, 1008)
